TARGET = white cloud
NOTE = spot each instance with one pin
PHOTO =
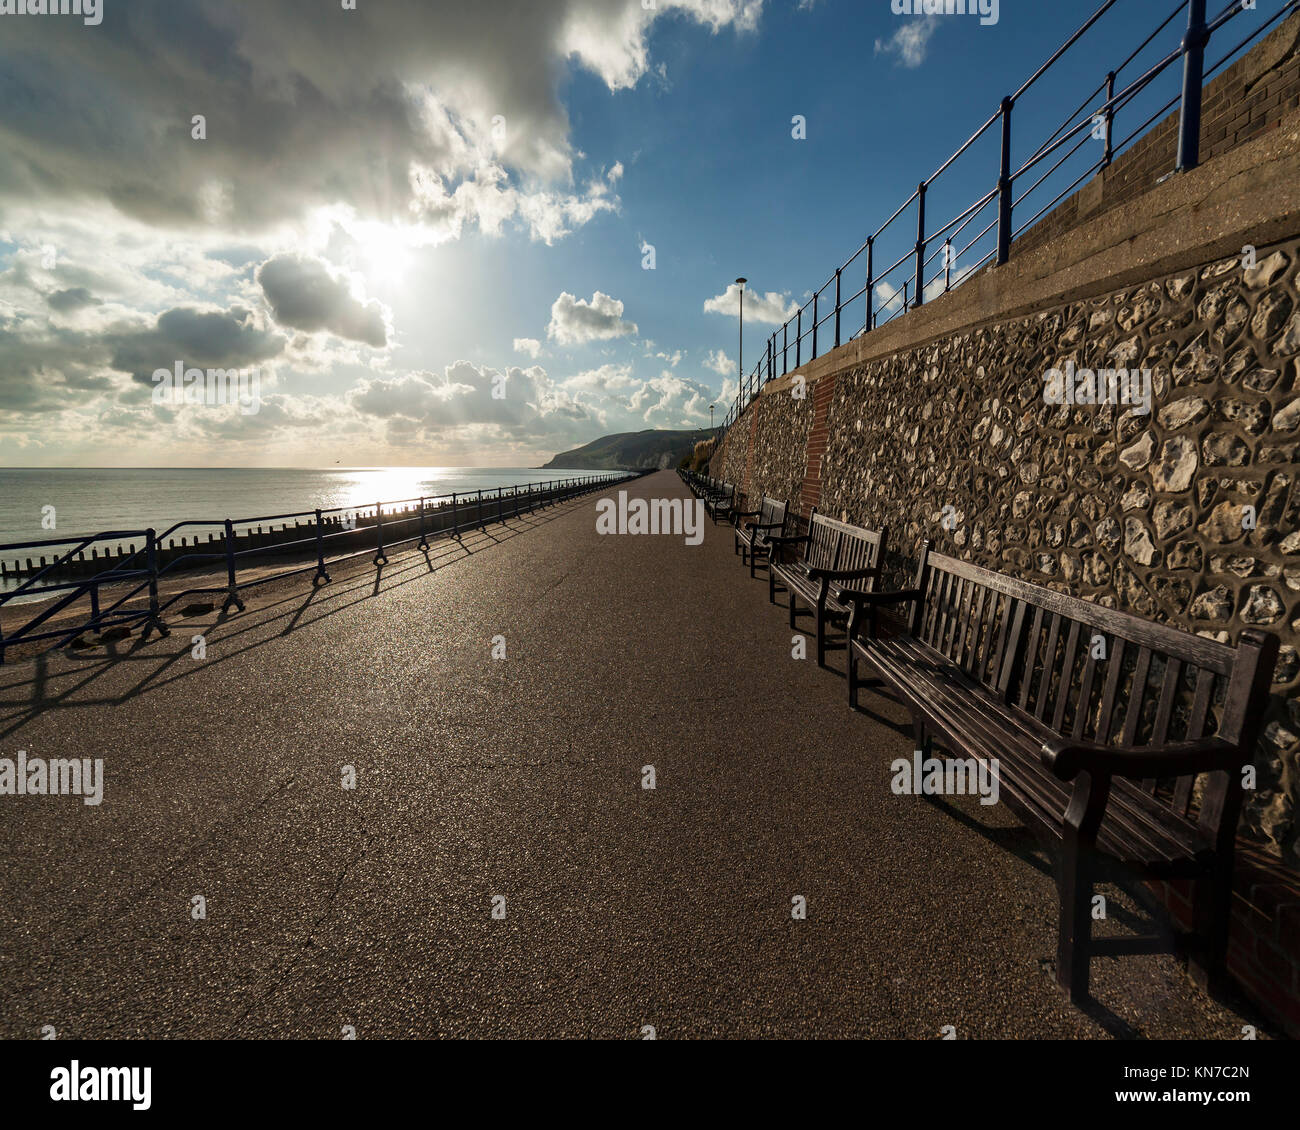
(575, 321)
(772, 308)
(720, 363)
(910, 43)
(529, 345)
(606, 379)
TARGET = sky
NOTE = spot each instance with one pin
(471, 234)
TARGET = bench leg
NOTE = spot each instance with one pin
(853, 677)
(924, 743)
(753, 563)
(821, 638)
(771, 584)
(1075, 938)
(1078, 871)
(793, 608)
(1212, 911)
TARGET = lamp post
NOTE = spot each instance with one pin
(740, 352)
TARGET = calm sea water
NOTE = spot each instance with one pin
(88, 501)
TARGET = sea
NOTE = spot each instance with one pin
(98, 500)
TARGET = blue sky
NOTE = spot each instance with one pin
(397, 210)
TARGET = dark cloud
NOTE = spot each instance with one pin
(69, 301)
(306, 294)
(221, 339)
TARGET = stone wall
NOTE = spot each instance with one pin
(778, 460)
(954, 441)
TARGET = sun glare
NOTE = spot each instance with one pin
(388, 252)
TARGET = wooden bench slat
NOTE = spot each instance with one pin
(1145, 832)
(1067, 676)
(1116, 662)
(1027, 675)
(1204, 652)
(1049, 666)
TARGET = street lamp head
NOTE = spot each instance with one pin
(741, 282)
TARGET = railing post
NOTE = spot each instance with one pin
(480, 508)
(920, 244)
(838, 271)
(232, 589)
(871, 284)
(947, 265)
(501, 517)
(816, 297)
(1189, 127)
(785, 349)
(424, 540)
(154, 619)
(798, 338)
(1110, 121)
(455, 517)
(771, 359)
(1005, 186)
(381, 558)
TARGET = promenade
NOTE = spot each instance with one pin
(521, 777)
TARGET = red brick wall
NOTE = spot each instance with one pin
(811, 494)
(1264, 943)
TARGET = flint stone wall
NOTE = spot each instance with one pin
(779, 460)
(954, 441)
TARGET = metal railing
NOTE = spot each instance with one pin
(805, 334)
(126, 591)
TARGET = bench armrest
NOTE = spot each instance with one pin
(1067, 757)
(789, 539)
(756, 526)
(844, 574)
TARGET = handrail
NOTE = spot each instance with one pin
(449, 513)
(821, 309)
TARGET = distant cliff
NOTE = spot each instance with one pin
(631, 451)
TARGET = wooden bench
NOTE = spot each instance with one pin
(720, 501)
(752, 537)
(832, 555)
(1100, 724)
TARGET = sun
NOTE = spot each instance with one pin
(387, 252)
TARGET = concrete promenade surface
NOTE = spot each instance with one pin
(521, 777)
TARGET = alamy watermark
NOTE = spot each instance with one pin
(987, 10)
(210, 388)
(1125, 387)
(924, 776)
(676, 517)
(91, 11)
(34, 776)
